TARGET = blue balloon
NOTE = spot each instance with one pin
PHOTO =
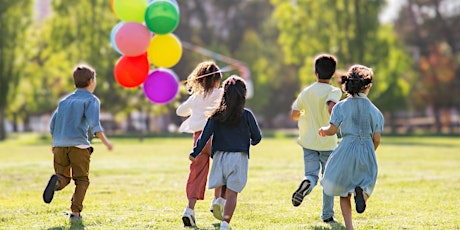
(112, 37)
(173, 2)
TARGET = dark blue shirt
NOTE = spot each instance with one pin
(226, 138)
(74, 115)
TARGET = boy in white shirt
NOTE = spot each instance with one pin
(312, 110)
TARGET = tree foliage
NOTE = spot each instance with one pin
(430, 28)
(350, 30)
(15, 19)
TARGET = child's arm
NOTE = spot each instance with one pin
(295, 115)
(104, 140)
(328, 130)
(256, 134)
(202, 140)
(376, 140)
(185, 109)
(330, 105)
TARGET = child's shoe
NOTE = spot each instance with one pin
(48, 193)
(224, 225)
(359, 200)
(218, 208)
(74, 218)
(188, 217)
(300, 193)
(211, 209)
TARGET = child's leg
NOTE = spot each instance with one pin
(198, 176)
(345, 205)
(61, 166)
(230, 205)
(218, 192)
(79, 161)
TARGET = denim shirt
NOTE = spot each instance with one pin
(74, 115)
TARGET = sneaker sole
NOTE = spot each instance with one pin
(50, 188)
(217, 212)
(188, 222)
(300, 193)
(359, 200)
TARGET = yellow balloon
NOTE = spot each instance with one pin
(164, 50)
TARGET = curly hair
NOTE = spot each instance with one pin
(204, 78)
(357, 79)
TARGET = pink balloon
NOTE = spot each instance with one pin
(161, 86)
(132, 39)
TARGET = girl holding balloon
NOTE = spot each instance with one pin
(203, 84)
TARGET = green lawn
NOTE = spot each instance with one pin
(141, 185)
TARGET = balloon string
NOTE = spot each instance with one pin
(223, 70)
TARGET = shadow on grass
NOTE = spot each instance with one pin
(74, 225)
(332, 226)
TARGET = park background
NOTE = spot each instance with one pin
(411, 44)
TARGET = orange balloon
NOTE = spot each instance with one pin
(112, 7)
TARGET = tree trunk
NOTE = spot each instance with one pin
(437, 119)
(2, 124)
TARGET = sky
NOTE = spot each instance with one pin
(391, 11)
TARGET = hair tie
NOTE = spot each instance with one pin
(344, 79)
(232, 80)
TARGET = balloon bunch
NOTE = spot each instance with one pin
(143, 38)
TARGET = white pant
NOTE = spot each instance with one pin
(230, 169)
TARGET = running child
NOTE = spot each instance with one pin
(352, 166)
(203, 84)
(233, 129)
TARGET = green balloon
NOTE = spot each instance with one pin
(161, 17)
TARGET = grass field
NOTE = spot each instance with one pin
(141, 185)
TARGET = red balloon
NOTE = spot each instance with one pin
(131, 71)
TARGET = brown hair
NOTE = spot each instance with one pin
(204, 78)
(358, 78)
(81, 76)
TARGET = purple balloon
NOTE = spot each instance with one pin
(161, 86)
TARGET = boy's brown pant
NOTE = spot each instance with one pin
(73, 163)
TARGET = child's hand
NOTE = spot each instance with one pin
(321, 132)
(191, 158)
(109, 146)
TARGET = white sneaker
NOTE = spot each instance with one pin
(188, 217)
(211, 209)
(224, 225)
(218, 208)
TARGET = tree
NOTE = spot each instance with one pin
(350, 30)
(242, 30)
(430, 27)
(15, 18)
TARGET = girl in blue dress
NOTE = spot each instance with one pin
(352, 166)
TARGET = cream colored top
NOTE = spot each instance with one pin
(198, 109)
(312, 104)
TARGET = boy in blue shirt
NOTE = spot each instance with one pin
(74, 116)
